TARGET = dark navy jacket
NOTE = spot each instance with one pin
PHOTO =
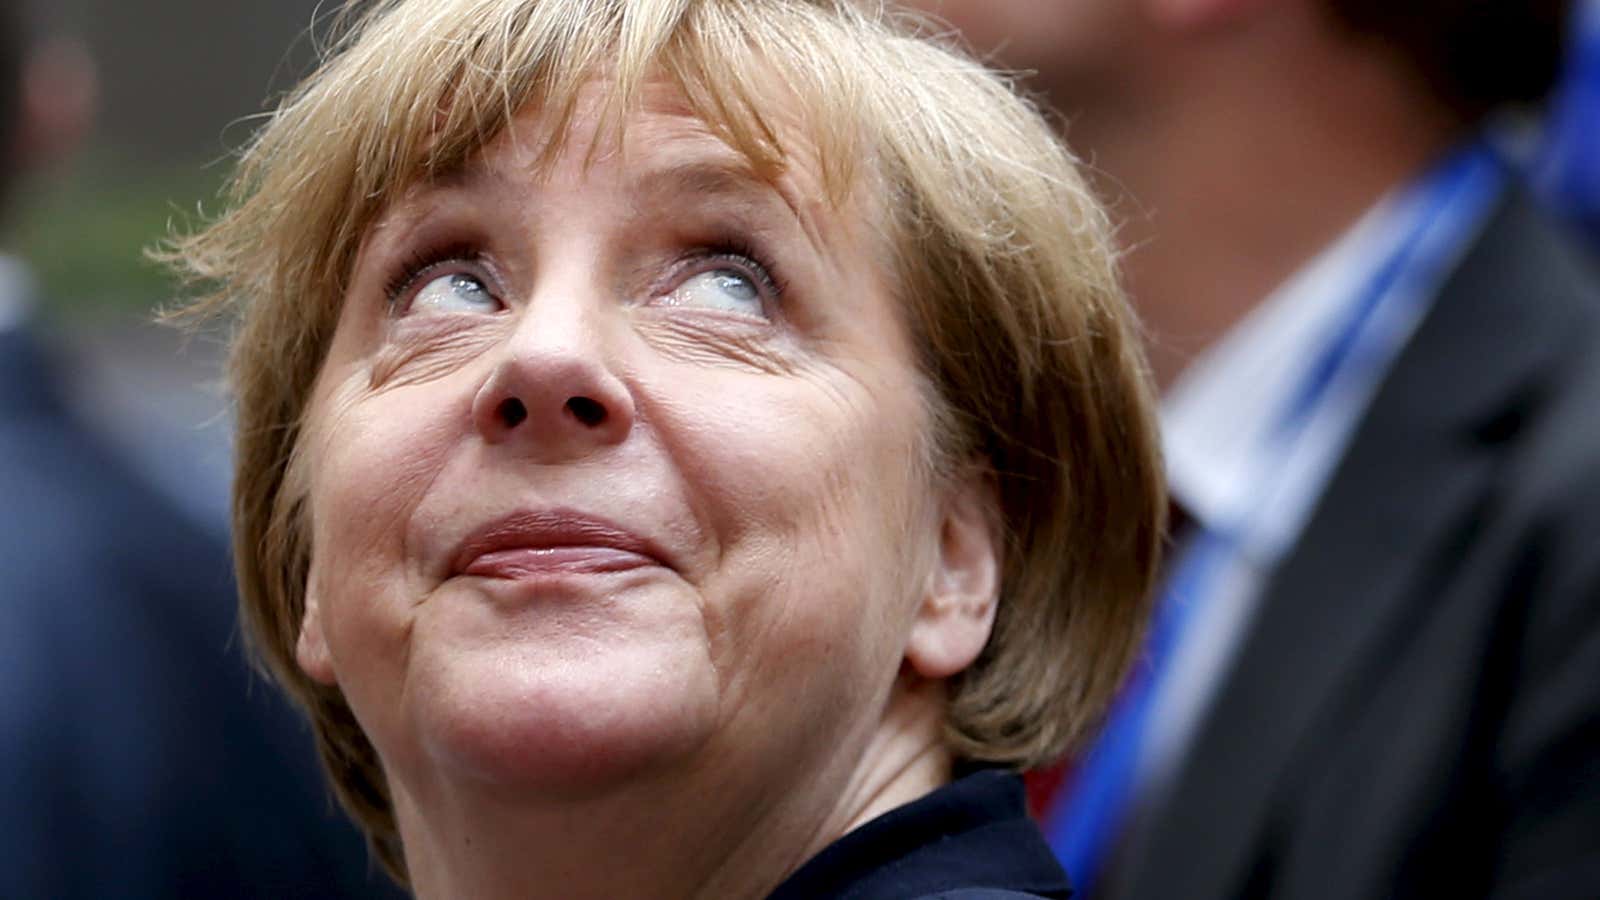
(970, 840)
(138, 756)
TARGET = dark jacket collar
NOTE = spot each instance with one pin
(973, 833)
(1509, 322)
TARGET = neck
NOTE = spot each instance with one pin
(1243, 171)
(717, 829)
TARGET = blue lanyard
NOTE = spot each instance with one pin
(1566, 164)
(1445, 209)
(1440, 213)
(1450, 201)
(1442, 210)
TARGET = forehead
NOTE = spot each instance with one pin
(662, 153)
(661, 133)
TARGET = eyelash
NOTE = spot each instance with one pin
(725, 250)
(420, 262)
(746, 257)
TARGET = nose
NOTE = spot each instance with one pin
(553, 393)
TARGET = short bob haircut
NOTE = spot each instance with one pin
(1001, 257)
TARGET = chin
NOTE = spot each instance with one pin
(542, 724)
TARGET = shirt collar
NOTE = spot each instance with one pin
(1217, 417)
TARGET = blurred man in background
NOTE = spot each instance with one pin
(136, 761)
(1376, 671)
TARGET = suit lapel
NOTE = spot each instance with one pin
(1418, 465)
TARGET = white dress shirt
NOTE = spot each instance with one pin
(1228, 462)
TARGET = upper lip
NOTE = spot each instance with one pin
(545, 528)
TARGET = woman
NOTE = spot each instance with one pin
(686, 447)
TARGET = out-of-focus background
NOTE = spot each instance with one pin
(178, 88)
(179, 85)
(139, 755)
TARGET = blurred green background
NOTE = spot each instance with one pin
(180, 83)
(84, 232)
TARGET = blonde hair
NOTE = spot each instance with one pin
(1002, 259)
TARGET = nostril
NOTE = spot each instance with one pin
(587, 411)
(511, 412)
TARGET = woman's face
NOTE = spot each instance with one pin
(613, 469)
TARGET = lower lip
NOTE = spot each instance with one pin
(533, 562)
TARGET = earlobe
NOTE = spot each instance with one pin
(963, 587)
(311, 650)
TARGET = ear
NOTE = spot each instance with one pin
(963, 587)
(1201, 14)
(311, 650)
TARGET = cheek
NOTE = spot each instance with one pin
(371, 459)
(803, 468)
(809, 484)
(380, 430)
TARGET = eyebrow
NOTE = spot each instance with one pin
(724, 179)
(656, 187)
(704, 175)
(703, 178)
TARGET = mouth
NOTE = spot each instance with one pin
(535, 543)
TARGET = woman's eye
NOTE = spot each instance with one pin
(724, 289)
(453, 293)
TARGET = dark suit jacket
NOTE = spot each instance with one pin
(969, 840)
(1415, 711)
(138, 757)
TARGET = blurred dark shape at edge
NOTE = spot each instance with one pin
(142, 757)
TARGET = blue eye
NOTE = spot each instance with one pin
(453, 293)
(723, 289)
(741, 285)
